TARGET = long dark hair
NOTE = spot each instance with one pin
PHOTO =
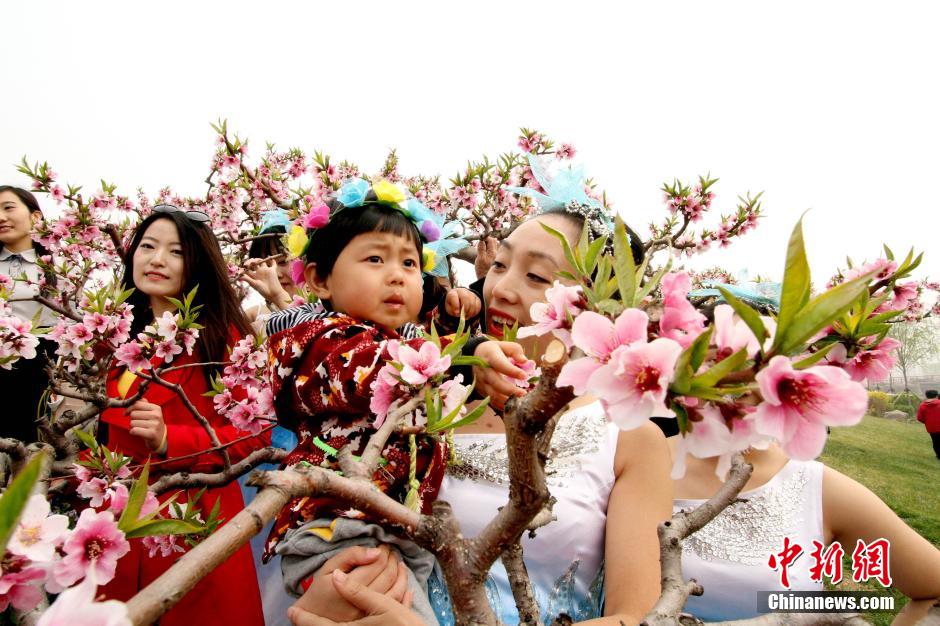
(204, 266)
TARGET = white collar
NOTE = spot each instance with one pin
(27, 255)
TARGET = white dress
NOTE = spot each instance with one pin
(729, 556)
(565, 560)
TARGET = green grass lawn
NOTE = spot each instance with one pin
(896, 461)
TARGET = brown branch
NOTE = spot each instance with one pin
(111, 229)
(185, 480)
(13, 447)
(162, 594)
(529, 613)
(675, 591)
(369, 461)
(61, 310)
(193, 455)
(236, 242)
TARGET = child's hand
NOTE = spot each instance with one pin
(486, 254)
(376, 568)
(491, 381)
(461, 299)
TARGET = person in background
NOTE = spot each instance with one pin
(929, 413)
(25, 383)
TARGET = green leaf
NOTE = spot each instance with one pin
(163, 527)
(888, 252)
(699, 348)
(624, 267)
(651, 284)
(86, 439)
(470, 417)
(14, 499)
(794, 293)
(719, 370)
(473, 361)
(815, 357)
(590, 259)
(135, 499)
(681, 416)
(569, 253)
(430, 407)
(746, 313)
(819, 313)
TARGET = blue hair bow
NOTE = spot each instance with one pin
(765, 294)
(272, 218)
(562, 191)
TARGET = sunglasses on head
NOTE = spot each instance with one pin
(195, 216)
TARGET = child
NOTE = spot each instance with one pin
(365, 265)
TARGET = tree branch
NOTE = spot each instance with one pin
(175, 387)
(675, 590)
(185, 480)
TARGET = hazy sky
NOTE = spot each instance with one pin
(825, 105)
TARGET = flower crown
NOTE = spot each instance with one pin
(440, 239)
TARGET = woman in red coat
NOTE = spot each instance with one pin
(172, 252)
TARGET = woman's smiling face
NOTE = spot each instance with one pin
(526, 265)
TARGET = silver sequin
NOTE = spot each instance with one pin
(578, 433)
(747, 531)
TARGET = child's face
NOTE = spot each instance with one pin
(377, 277)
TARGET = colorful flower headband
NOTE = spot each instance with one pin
(441, 239)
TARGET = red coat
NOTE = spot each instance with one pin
(929, 413)
(228, 595)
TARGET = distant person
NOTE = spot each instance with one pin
(929, 413)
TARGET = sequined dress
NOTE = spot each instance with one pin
(565, 559)
(729, 556)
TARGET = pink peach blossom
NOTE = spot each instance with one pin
(38, 533)
(869, 364)
(598, 337)
(422, 364)
(164, 545)
(632, 386)
(95, 545)
(680, 321)
(131, 355)
(19, 583)
(77, 607)
(798, 405)
(552, 315)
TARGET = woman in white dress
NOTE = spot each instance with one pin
(600, 558)
(804, 501)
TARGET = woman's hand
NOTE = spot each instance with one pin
(493, 381)
(262, 276)
(379, 609)
(462, 300)
(486, 253)
(147, 423)
(378, 569)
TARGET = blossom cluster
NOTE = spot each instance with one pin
(242, 393)
(688, 204)
(16, 339)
